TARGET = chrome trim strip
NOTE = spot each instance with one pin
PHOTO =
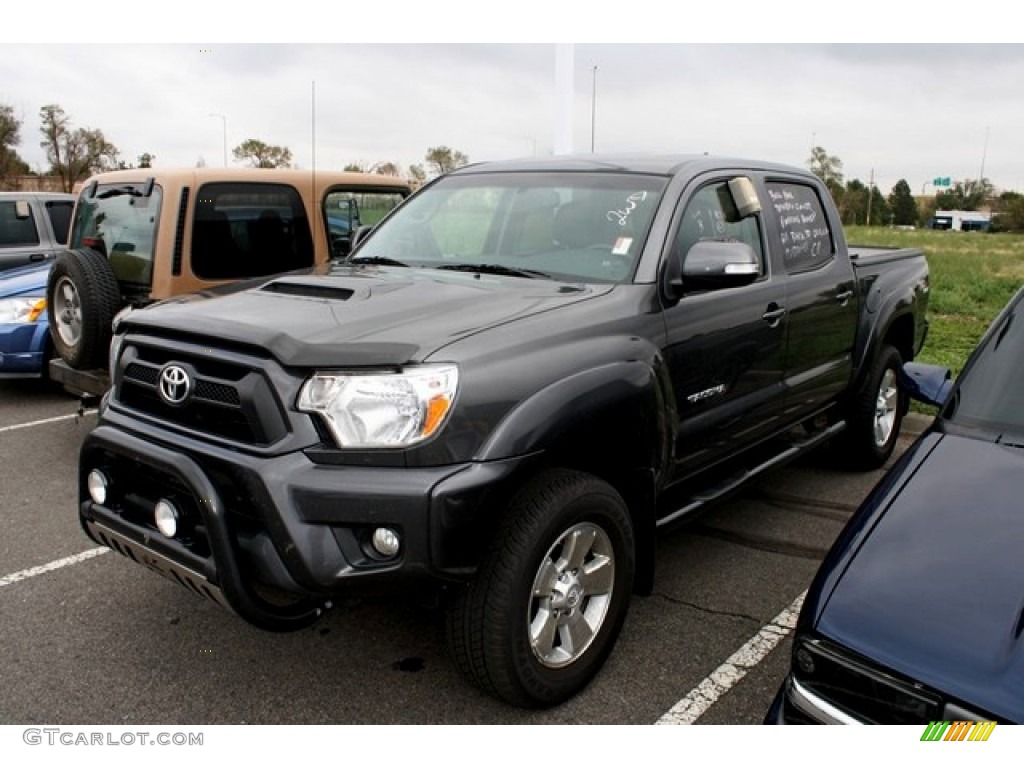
(817, 707)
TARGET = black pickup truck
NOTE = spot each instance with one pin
(509, 388)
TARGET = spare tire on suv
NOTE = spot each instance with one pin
(82, 297)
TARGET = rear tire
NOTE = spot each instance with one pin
(875, 415)
(82, 297)
(551, 595)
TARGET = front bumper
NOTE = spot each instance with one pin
(22, 347)
(274, 539)
(795, 705)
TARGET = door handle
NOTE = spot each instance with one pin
(844, 297)
(773, 314)
(37, 257)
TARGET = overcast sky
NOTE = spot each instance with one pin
(900, 110)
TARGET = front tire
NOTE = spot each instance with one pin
(876, 415)
(551, 595)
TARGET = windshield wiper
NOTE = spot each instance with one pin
(1010, 440)
(494, 269)
(117, 192)
(383, 261)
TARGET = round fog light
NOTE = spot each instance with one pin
(166, 517)
(386, 542)
(97, 483)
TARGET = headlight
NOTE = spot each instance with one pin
(24, 309)
(860, 689)
(382, 410)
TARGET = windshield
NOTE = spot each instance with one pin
(578, 227)
(990, 393)
(121, 224)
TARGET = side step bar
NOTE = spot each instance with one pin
(795, 448)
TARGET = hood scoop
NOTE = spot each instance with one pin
(309, 290)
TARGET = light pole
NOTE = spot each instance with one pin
(224, 120)
(984, 151)
(593, 106)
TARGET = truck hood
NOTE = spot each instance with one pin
(25, 281)
(359, 316)
(936, 591)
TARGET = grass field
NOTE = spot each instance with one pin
(973, 275)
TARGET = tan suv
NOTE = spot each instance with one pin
(143, 235)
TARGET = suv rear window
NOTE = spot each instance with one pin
(246, 229)
(121, 224)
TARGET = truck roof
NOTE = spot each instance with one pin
(294, 176)
(662, 164)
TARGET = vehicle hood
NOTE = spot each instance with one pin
(358, 316)
(936, 590)
(25, 281)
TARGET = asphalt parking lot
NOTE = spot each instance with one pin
(91, 638)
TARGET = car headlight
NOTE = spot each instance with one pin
(860, 689)
(24, 309)
(382, 410)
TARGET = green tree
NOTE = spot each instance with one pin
(354, 168)
(11, 163)
(966, 195)
(828, 168)
(854, 208)
(880, 212)
(445, 159)
(1010, 217)
(73, 154)
(146, 160)
(903, 205)
(262, 155)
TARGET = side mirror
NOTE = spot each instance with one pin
(360, 234)
(928, 384)
(713, 264)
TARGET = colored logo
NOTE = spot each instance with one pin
(958, 730)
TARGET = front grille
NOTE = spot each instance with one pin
(142, 373)
(228, 401)
(217, 393)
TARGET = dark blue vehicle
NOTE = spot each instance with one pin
(24, 328)
(917, 613)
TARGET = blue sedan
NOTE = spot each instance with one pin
(917, 613)
(24, 328)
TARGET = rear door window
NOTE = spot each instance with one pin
(803, 228)
(59, 212)
(245, 229)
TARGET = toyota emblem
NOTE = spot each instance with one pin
(175, 384)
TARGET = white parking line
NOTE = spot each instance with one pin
(27, 424)
(717, 684)
(39, 570)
